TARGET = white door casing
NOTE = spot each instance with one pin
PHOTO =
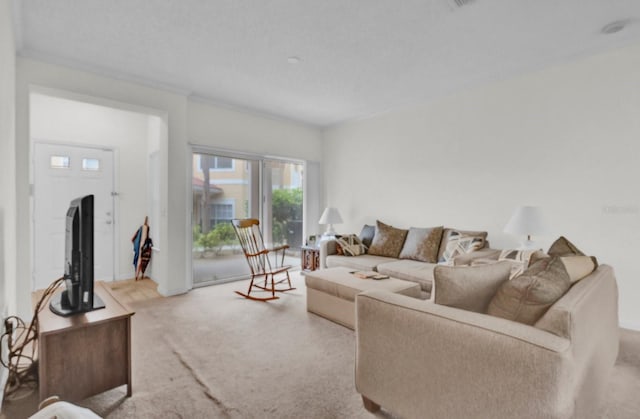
(61, 174)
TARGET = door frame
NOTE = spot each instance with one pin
(204, 149)
(115, 203)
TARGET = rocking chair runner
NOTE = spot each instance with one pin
(250, 237)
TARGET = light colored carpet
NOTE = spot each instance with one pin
(213, 354)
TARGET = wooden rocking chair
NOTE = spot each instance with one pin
(250, 237)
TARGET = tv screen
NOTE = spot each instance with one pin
(78, 297)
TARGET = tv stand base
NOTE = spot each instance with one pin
(57, 305)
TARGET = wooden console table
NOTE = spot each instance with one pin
(85, 354)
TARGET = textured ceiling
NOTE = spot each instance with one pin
(358, 57)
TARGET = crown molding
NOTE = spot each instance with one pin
(197, 98)
(188, 94)
(101, 71)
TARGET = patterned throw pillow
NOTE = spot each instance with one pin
(388, 240)
(351, 245)
(339, 250)
(458, 244)
(422, 244)
(519, 260)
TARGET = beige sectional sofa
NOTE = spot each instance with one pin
(407, 269)
(419, 359)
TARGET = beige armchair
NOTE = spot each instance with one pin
(422, 360)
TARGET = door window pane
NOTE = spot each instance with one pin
(90, 164)
(222, 190)
(59, 162)
(283, 187)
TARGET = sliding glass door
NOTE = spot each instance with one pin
(282, 214)
(225, 187)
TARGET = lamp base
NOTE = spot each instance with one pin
(528, 245)
(330, 232)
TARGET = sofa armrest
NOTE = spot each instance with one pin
(414, 356)
(484, 253)
(327, 247)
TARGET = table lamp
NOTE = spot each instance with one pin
(526, 221)
(330, 216)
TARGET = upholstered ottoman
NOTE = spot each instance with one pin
(331, 293)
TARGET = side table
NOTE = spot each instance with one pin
(310, 258)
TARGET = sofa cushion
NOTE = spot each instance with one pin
(350, 245)
(422, 244)
(366, 234)
(410, 270)
(527, 297)
(387, 241)
(469, 287)
(358, 263)
(459, 244)
(447, 233)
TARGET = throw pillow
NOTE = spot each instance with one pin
(339, 251)
(563, 247)
(469, 287)
(387, 241)
(527, 297)
(519, 260)
(366, 235)
(536, 256)
(459, 243)
(450, 232)
(351, 245)
(579, 267)
(422, 244)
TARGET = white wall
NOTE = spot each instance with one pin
(55, 119)
(566, 138)
(7, 163)
(169, 264)
(183, 122)
(7, 176)
(224, 128)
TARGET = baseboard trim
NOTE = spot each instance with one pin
(168, 293)
(123, 277)
(630, 325)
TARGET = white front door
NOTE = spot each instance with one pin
(61, 174)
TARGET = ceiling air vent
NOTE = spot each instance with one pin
(460, 3)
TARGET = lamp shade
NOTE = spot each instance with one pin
(526, 221)
(330, 216)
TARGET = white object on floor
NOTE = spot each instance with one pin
(64, 410)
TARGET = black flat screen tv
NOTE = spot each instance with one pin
(78, 296)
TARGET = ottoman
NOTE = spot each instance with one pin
(331, 293)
